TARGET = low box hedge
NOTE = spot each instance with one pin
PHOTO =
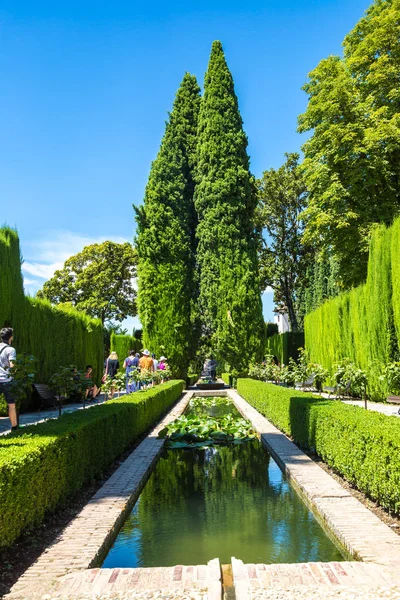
(192, 378)
(44, 464)
(363, 446)
(225, 378)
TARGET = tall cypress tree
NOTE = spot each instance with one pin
(229, 302)
(166, 237)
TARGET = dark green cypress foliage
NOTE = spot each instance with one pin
(166, 237)
(229, 302)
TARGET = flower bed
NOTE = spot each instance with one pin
(44, 464)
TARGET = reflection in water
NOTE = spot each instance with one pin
(212, 407)
(219, 502)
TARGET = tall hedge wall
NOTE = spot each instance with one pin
(55, 336)
(362, 445)
(364, 323)
(42, 466)
(123, 344)
(285, 345)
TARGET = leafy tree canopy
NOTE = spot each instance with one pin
(352, 159)
(283, 256)
(98, 281)
(166, 237)
(225, 199)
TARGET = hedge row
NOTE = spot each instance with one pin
(192, 378)
(285, 345)
(363, 446)
(46, 463)
(56, 337)
(123, 344)
(225, 378)
(363, 324)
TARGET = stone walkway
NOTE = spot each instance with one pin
(390, 410)
(39, 417)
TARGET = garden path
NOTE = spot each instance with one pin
(39, 417)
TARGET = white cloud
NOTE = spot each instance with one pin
(268, 290)
(58, 246)
(40, 270)
(44, 256)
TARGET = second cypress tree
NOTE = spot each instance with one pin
(166, 237)
(230, 302)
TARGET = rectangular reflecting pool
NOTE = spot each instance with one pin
(219, 502)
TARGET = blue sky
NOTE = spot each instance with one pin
(86, 87)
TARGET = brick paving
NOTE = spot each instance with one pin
(199, 581)
(86, 540)
(314, 580)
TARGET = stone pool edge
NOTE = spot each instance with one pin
(361, 533)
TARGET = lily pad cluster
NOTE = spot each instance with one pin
(196, 431)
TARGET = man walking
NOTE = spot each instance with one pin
(8, 356)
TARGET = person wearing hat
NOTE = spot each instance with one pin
(146, 362)
(162, 365)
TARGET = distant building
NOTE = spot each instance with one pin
(282, 320)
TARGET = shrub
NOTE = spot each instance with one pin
(363, 446)
(44, 464)
(271, 329)
(363, 324)
(225, 378)
(192, 378)
(55, 336)
(285, 345)
(123, 344)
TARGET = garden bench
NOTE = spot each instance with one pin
(48, 398)
(307, 385)
(339, 391)
(394, 400)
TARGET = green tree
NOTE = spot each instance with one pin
(166, 237)
(352, 159)
(225, 199)
(283, 257)
(98, 281)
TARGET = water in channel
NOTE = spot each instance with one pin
(219, 502)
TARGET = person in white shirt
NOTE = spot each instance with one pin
(155, 361)
(8, 357)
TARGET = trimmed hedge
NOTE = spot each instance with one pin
(46, 463)
(285, 345)
(225, 378)
(192, 378)
(55, 336)
(363, 446)
(363, 324)
(123, 344)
